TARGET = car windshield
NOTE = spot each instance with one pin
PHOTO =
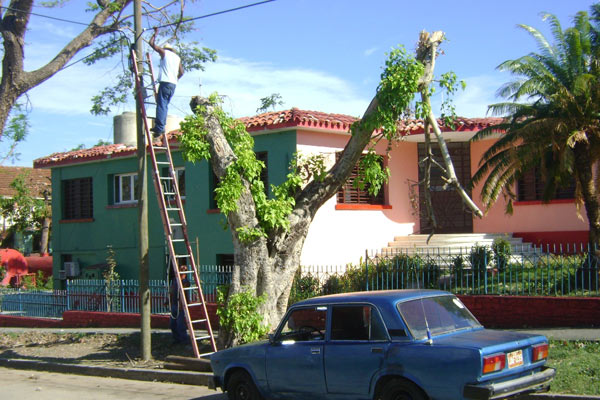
(442, 314)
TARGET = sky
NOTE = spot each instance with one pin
(322, 55)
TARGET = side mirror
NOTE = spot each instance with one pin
(271, 338)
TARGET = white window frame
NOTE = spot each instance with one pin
(119, 194)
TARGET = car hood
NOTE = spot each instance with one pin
(490, 340)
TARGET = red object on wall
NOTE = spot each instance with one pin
(14, 263)
(508, 312)
(37, 263)
(563, 242)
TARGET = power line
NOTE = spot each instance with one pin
(215, 13)
(45, 16)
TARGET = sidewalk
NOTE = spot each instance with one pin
(203, 378)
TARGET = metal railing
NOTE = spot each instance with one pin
(473, 271)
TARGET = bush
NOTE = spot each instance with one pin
(480, 257)
(304, 287)
(502, 251)
(238, 314)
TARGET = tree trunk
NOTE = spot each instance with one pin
(585, 176)
(45, 236)
(426, 54)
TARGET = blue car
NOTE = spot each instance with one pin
(388, 345)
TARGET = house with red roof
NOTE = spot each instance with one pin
(95, 206)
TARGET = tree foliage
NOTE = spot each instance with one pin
(552, 122)
(26, 209)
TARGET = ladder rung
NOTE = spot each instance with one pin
(177, 240)
(169, 193)
(186, 272)
(163, 162)
(191, 288)
(198, 321)
(203, 338)
(184, 256)
(206, 354)
(173, 209)
(166, 178)
(176, 224)
(159, 148)
(194, 304)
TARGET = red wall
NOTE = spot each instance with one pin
(534, 312)
(95, 319)
(492, 311)
(563, 242)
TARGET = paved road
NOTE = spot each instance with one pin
(19, 384)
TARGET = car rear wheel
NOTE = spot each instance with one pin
(241, 387)
(399, 389)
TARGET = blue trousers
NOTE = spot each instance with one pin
(178, 325)
(165, 93)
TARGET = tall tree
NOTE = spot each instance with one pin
(551, 118)
(110, 20)
(268, 233)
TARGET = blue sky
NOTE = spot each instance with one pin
(323, 55)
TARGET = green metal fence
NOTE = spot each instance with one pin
(99, 295)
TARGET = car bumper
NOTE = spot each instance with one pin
(531, 383)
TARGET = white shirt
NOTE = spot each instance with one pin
(169, 67)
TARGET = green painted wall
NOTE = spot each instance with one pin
(87, 242)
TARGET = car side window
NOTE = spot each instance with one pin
(356, 322)
(304, 324)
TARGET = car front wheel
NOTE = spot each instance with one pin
(399, 389)
(241, 387)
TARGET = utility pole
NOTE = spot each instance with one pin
(144, 291)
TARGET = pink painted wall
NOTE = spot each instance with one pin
(342, 236)
(526, 217)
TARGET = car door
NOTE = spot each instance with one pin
(356, 349)
(294, 361)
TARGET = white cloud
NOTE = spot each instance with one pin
(245, 83)
(370, 51)
(480, 92)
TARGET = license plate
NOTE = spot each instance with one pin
(515, 358)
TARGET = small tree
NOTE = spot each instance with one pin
(111, 280)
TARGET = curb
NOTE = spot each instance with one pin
(140, 374)
(556, 396)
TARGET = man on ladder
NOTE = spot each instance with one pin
(170, 70)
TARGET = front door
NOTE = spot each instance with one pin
(295, 356)
(451, 214)
(355, 353)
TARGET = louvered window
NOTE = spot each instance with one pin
(348, 194)
(77, 199)
(531, 188)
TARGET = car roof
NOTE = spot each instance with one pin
(379, 297)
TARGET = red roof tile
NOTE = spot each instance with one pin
(37, 180)
(268, 121)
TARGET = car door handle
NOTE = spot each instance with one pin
(315, 350)
(376, 350)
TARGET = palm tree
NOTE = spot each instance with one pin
(552, 118)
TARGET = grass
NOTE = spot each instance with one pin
(577, 366)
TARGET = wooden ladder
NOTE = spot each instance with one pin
(166, 187)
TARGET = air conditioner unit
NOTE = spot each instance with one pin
(72, 269)
(62, 274)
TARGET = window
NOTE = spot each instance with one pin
(304, 324)
(77, 198)
(125, 188)
(531, 188)
(348, 194)
(214, 180)
(356, 322)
